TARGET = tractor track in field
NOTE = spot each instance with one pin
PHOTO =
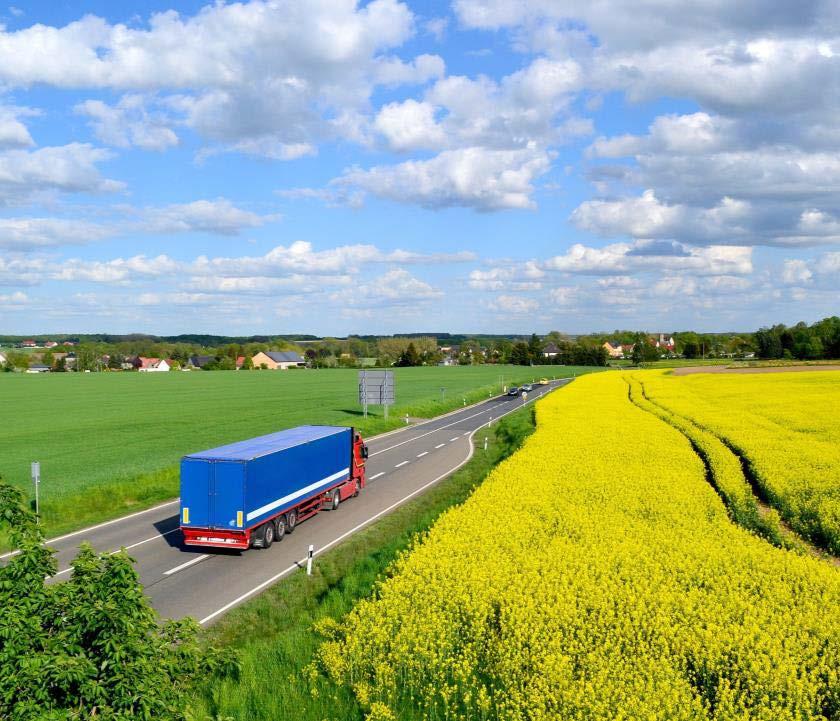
(766, 510)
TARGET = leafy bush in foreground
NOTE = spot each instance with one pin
(90, 647)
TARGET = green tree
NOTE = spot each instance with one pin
(520, 354)
(90, 647)
(248, 363)
(535, 348)
(409, 357)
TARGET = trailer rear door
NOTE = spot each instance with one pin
(227, 506)
(196, 492)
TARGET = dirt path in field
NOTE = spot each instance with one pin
(691, 370)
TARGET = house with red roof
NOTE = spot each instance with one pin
(152, 365)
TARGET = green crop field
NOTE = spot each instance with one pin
(110, 442)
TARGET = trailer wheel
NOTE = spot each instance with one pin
(268, 534)
(291, 521)
(335, 500)
(280, 523)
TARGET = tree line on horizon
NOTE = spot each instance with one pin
(820, 340)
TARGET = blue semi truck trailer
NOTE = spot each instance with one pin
(253, 492)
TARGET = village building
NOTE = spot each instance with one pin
(278, 360)
(551, 350)
(199, 361)
(153, 365)
(664, 341)
(614, 350)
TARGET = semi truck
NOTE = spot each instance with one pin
(251, 493)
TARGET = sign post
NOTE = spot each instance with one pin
(376, 388)
(309, 560)
(36, 479)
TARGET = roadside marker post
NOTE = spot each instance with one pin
(406, 418)
(485, 443)
(465, 402)
(36, 479)
(309, 560)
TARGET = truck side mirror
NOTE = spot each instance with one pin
(364, 451)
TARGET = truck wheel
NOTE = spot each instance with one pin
(280, 524)
(335, 500)
(268, 534)
(356, 489)
(291, 521)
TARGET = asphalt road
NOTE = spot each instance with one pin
(205, 583)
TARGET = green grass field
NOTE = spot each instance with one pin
(109, 443)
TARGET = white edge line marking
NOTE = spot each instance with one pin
(424, 453)
(297, 494)
(100, 525)
(127, 548)
(185, 565)
(344, 535)
(373, 478)
(439, 445)
(401, 463)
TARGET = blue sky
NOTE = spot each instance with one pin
(338, 167)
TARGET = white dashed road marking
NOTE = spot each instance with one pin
(400, 464)
(373, 478)
(424, 453)
(185, 565)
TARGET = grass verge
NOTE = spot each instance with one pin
(274, 633)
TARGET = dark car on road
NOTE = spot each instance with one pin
(513, 391)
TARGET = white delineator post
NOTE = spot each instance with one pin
(36, 479)
(309, 560)
(485, 443)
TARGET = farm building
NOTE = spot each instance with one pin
(38, 368)
(2, 359)
(278, 360)
(153, 365)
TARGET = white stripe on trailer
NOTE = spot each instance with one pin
(297, 494)
(185, 565)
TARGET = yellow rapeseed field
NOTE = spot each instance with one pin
(595, 575)
(788, 427)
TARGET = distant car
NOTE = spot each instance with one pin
(543, 381)
(527, 388)
(513, 391)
